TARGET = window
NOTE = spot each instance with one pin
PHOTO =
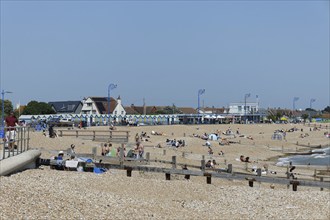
(239, 108)
(115, 112)
(122, 112)
(89, 104)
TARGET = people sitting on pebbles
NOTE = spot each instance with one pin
(175, 143)
(106, 149)
(245, 159)
(210, 151)
(157, 133)
(211, 164)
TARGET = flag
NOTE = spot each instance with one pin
(201, 91)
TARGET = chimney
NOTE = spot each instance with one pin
(118, 100)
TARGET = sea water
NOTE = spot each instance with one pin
(319, 157)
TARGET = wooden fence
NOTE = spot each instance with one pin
(97, 135)
(130, 164)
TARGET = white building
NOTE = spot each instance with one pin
(242, 108)
(99, 106)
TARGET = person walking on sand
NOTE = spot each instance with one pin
(11, 122)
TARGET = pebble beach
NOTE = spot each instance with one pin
(44, 193)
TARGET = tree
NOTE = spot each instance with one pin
(304, 116)
(8, 107)
(327, 109)
(38, 108)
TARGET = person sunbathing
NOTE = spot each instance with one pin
(244, 159)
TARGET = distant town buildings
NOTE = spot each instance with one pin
(95, 110)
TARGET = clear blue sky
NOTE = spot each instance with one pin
(164, 51)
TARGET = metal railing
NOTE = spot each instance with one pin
(15, 141)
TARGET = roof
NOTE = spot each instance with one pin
(130, 111)
(65, 106)
(214, 110)
(140, 109)
(102, 104)
(187, 110)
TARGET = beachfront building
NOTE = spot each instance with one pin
(243, 112)
(97, 109)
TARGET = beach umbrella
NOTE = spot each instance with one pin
(283, 118)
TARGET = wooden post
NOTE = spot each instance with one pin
(110, 137)
(203, 157)
(321, 178)
(295, 185)
(250, 183)
(258, 172)
(129, 172)
(184, 134)
(127, 136)
(203, 165)
(94, 151)
(121, 155)
(225, 162)
(315, 174)
(61, 133)
(208, 178)
(282, 148)
(183, 154)
(148, 156)
(164, 152)
(230, 168)
(172, 133)
(173, 162)
(168, 176)
(77, 134)
(93, 135)
(246, 166)
(287, 175)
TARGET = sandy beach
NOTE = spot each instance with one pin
(48, 194)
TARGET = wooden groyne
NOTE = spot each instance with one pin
(96, 135)
(130, 165)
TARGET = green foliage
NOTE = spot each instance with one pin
(271, 117)
(8, 107)
(38, 108)
(304, 116)
(327, 109)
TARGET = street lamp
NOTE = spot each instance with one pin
(245, 97)
(200, 92)
(110, 87)
(310, 106)
(294, 102)
(3, 111)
